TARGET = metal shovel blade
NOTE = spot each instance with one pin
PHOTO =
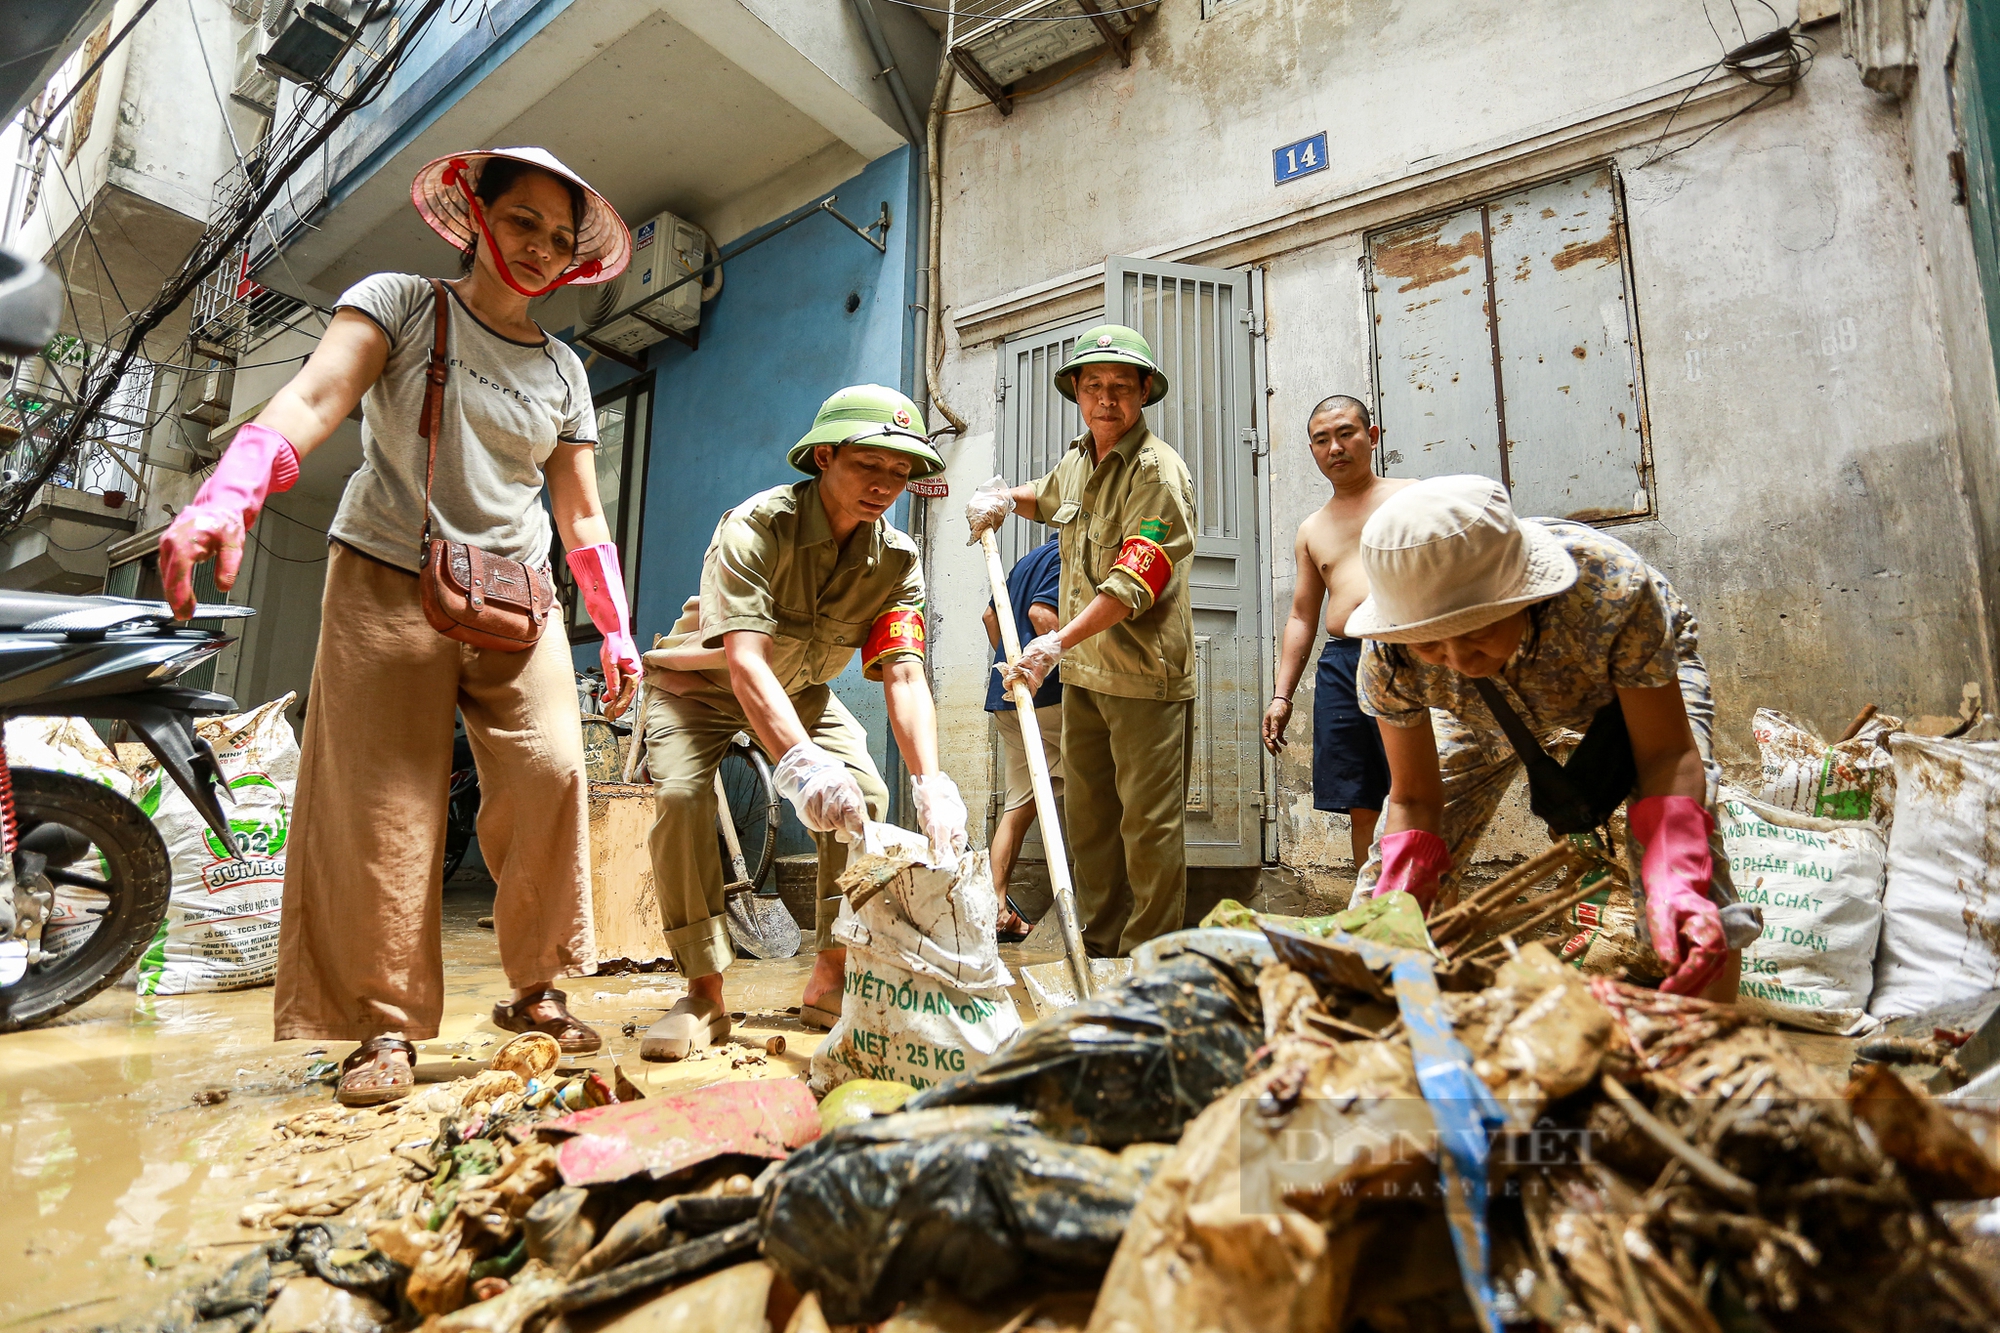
(758, 925)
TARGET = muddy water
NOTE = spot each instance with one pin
(119, 1186)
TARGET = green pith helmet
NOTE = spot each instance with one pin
(1118, 345)
(868, 414)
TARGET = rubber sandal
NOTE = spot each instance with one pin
(1012, 927)
(366, 1079)
(574, 1037)
(690, 1025)
(818, 1017)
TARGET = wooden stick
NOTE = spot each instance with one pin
(1705, 1168)
(657, 1269)
(1854, 727)
(1554, 910)
(1526, 873)
(1485, 911)
(1038, 774)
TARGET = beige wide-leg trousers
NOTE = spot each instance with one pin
(359, 948)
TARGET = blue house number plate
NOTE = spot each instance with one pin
(1299, 159)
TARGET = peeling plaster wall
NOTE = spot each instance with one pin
(1802, 419)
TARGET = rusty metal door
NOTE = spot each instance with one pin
(1199, 322)
(1504, 345)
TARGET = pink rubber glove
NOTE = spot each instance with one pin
(1675, 870)
(1413, 861)
(602, 584)
(260, 462)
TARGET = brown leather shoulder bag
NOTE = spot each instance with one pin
(469, 594)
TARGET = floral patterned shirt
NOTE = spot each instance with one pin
(1620, 626)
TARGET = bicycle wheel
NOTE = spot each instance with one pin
(753, 808)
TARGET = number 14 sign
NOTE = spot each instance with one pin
(1298, 159)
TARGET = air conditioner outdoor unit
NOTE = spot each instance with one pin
(306, 44)
(212, 390)
(255, 89)
(664, 250)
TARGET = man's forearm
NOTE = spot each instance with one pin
(766, 705)
(912, 716)
(1025, 504)
(1103, 612)
(1292, 656)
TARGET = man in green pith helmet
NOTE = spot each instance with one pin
(1123, 503)
(797, 579)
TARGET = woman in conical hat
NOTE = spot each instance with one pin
(359, 956)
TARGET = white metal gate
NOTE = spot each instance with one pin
(1198, 321)
(1504, 346)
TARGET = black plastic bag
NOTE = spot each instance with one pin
(972, 1199)
(1134, 1065)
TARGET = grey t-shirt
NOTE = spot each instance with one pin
(506, 405)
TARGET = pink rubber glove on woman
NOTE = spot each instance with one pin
(602, 584)
(1413, 861)
(1675, 871)
(260, 463)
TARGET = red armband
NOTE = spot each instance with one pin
(900, 629)
(1146, 561)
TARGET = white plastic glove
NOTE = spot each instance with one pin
(1035, 662)
(941, 811)
(821, 789)
(988, 508)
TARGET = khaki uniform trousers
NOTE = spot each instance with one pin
(686, 738)
(359, 949)
(1126, 811)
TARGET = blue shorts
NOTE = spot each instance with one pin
(1350, 768)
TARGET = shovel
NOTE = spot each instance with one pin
(1045, 798)
(759, 926)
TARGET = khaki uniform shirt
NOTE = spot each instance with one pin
(773, 568)
(1127, 529)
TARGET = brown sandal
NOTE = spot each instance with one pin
(574, 1037)
(368, 1078)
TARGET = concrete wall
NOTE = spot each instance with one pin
(1963, 322)
(1806, 454)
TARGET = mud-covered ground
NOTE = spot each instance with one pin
(121, 1162)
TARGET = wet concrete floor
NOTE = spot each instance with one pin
(120, 1186)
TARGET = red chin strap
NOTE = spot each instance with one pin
(454, 174)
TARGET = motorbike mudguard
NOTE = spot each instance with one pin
(164, 721)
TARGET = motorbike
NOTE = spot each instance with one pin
(73, 852)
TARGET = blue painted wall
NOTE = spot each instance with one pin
(776, 342)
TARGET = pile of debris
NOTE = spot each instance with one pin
(1263, 1127)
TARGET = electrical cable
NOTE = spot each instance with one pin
(1777, 60)
(222, 237)
(1105, 12)
(95, 65)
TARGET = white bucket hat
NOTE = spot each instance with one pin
(443, 194)
(1447, 556)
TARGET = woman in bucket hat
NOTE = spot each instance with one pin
(358, 955)
(1486, 618)
(797, 579)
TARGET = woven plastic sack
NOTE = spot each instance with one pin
(1819, 885)
(221, 931)
(1941, 909)
(1854, 779)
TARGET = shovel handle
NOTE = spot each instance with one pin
(1038, 773)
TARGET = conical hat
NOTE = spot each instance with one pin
(602, 236)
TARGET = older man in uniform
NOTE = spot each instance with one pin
(797, 579)
(1123, 503)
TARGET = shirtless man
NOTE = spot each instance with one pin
(1350, 770)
